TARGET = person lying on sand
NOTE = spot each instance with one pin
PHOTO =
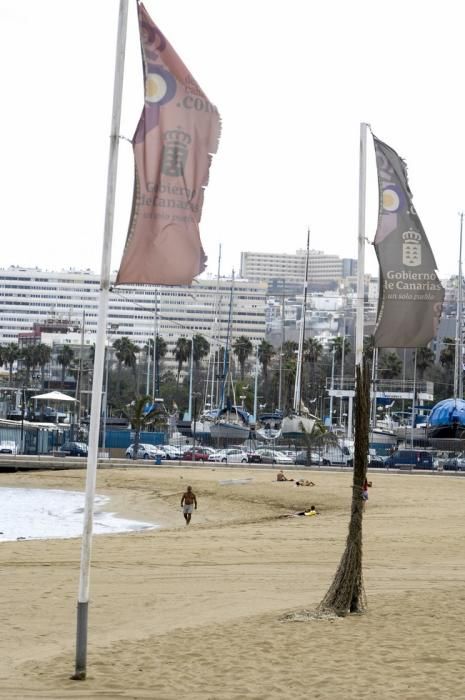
(282, 477)
(310, 511)
(304, 482)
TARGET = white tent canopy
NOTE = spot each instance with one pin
(54, 396)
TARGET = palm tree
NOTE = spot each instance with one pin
(43, 355)
(425, 359)
(29, 359)
(340, 343)
(313, 350)
(390, 365)
(265, 354)
(140, 416)
(181, 352)
(201, 348)
(447, 354)
(10, 354)
(369, 347)
(160, 350)
(125, 351)
(64, 358)
(290, 348)
(242, 348)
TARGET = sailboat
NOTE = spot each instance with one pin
(232, 421)
(201, 425)
(299, 420)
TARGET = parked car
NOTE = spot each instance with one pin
(145, 451)
(270, 456)
(73, 449)
(302, 458)
(171, 452)
(230, 455)
(254, 457)
(456, 464)
(415, 459)
(8, 447)
(201, 454)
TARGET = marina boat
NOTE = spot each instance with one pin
(447, 419)
(299, 420)
(231, 421)
(231, 424)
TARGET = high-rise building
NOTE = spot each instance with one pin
(324, 269)
(32, 296)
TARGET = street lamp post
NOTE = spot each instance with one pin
(194, 431)
(111, 330)
(22, 421)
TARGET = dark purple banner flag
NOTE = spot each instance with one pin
(176, 136)
(411, 295)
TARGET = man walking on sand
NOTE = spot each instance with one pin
(188, 501)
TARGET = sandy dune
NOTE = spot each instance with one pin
(197, 611)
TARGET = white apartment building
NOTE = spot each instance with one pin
(261, 267)
(29, 296)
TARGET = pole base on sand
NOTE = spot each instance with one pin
(81, 642)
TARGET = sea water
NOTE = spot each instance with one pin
(52, 513)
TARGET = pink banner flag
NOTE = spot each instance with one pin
(178, 131)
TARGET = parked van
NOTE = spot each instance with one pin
(415, 459)
(335, 454)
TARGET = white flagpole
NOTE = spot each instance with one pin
(361, 246)
(86, 545)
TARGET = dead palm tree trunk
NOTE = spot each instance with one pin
(346, 593)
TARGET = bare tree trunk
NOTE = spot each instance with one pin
(346, 593)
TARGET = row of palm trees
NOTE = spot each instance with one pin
(278, 366)
(32, 357)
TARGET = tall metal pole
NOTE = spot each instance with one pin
(155, 354)
(105, 414)
(300, 357)
(374, 383)
(414, 395)
(86, 545)
(255, 388)
(283, 337)
(359, 324)
(341, 400)
(78, 395)
(458, 369)
(191, 372)
(332, 389)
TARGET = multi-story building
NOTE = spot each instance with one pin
(324, 270)
(31, 296)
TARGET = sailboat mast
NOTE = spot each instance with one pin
(227, 347)
(458, 373)
(300, 355)
(214, 344)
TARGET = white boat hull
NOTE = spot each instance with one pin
(201, 426)
(297, 425)
(269, 433)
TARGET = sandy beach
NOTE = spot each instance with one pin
(197, 611)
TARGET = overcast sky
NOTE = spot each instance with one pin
(292, 81)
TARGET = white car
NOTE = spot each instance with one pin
(171, 452)
(274, 457)
(230, 455)
(145, 451)
(8, 447)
